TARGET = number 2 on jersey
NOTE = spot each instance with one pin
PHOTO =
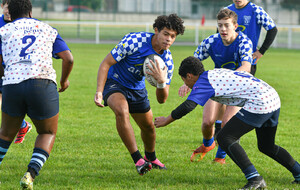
(24, 41)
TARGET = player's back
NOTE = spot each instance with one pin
(27, 46)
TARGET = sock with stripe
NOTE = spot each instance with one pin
(38, 159)
(4, 145)
(250, 172)
(296, 171)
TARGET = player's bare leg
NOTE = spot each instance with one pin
(9, 127)
(145, 122)
(46, 130)
(210, 113)
(118, 103)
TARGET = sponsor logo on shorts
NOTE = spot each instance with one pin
(112, 86)
(241, 113)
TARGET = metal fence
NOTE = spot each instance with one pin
(112, 32)
(282, 11)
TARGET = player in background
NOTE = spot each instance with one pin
(25, 126)
(260, 111)
(29, 82)
(121, 84)
(251, 18)
(228, 49)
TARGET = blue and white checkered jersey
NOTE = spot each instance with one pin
(250, 19)
(235, 88)
(229, 57)
(27, 47)
(130, 55)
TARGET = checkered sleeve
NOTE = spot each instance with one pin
(170, 65)
(263, 18)
(245, 48)
(202, 50)
(128, 45)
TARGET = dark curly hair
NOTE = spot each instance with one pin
(191, 65)
(19, 8)
(172, 22)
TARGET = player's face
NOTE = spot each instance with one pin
(189, 80)
(5, 12)
(227, 30)
(240, 3)
(165, 38)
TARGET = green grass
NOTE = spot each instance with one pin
(88, 153)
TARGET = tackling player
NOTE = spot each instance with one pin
(29, 82)
(25, 126)
(260, 111)
(228, 49)
(121, 84)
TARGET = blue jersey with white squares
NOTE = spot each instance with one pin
(130, 55)
(250, 20)
(229, 57)
(235, 88)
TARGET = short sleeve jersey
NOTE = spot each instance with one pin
(229, 57)
(2, 21)
(235, 88)
(27, 46)
(250, 19)
(130, 55)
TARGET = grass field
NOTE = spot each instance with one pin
(88, 153)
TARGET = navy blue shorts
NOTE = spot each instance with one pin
(38, 98)
(259, 120)
(137, 99)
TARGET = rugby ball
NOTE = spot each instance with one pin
(148, 64)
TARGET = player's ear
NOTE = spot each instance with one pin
(236, 25)
(30, 14)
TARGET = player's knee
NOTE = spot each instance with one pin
(267, 149)
(207, 124)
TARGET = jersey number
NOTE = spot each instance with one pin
(24, 41)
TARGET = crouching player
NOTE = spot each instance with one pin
(260, 111)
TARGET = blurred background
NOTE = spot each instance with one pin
(107, 21)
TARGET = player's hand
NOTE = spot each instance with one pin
(256, 56)
(160, 75)
(64, 85)
(183, 90)
(160, 122)
(98, 99)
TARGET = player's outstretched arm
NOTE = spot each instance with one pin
(183, 90)
(67, 65)
(246, 66)
(163, 121)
